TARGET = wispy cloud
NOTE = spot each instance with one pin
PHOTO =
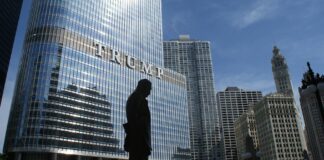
(257, 11)
(179, 21)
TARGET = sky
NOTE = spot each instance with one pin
(243, 33)
(242, 36)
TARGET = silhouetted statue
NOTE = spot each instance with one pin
(138, 126)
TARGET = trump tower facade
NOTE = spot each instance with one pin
(81, 60)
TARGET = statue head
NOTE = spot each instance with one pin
(144, 87)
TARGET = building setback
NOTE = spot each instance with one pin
(244, 128)
(193, 59)
(81, 60)
(312, 100)
(9, 16)
(232, 103)
(277, 128)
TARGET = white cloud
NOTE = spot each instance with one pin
(179, 21)
(260, 10)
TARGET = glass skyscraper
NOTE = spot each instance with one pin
(193, 59)
(9, 16)
(81, 60)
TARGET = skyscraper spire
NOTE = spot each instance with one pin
(280, 73)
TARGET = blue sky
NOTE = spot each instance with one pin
(242, 34)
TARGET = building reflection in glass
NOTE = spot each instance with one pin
(70, 98)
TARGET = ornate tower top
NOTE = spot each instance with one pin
(310, 77)
(280, 72)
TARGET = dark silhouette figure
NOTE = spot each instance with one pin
(138, 126)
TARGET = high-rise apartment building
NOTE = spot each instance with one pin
(81, 60)
(245, 128)
(277, 128)
(193, 59)
(232, 103)
(312, 104)
(9, 16)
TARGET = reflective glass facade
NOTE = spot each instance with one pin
(81, 61)
(193, 59)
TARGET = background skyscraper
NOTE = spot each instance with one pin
(277, 119)
(193, 59)
(312, 100)
(81, 60)
(232, 103)
(9, 16)
(245, 127)
(277, 128)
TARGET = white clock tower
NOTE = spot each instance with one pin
(280, 73)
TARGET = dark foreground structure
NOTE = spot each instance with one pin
(311, 101)
(9, 16)
(81, 60)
